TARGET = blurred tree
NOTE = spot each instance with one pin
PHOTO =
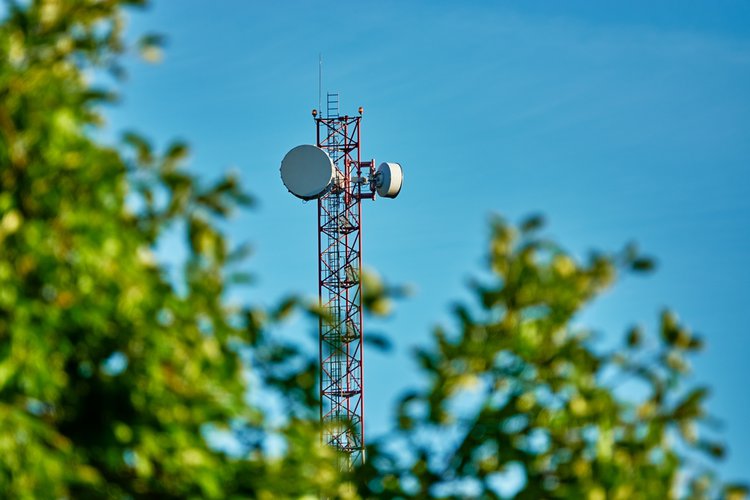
(518, 400)
(114, 375)
(110, 373)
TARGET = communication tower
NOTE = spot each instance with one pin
(333, 172)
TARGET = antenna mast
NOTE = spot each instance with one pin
(340, 294)
(332, 172)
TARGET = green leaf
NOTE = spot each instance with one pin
(378, 341)
(532, 223)
(736, 491)
(634, 337)
(141, 146)
(669, 328)
(643, 264)
(691, 405)
(285, 308)
(176, 153)
(150, 47)
(716, 450)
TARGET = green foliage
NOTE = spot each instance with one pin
(518, 394)
(110, 373)
(115, 378)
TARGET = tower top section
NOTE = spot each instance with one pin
(310, 172)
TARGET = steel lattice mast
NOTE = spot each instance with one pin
(340, 292)
(333, 173)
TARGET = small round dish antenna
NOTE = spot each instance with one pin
(388, 179)
(308, 172)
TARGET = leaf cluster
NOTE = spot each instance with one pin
(519, 401)
(115, 371)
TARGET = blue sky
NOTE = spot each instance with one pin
(620, 122)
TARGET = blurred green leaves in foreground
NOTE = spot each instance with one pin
(116, 380)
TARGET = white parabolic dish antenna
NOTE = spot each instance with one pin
(307, 172)
(389, 179)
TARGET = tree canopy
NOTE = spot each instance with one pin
(114, 375)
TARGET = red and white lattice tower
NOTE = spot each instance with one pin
(333, 173)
